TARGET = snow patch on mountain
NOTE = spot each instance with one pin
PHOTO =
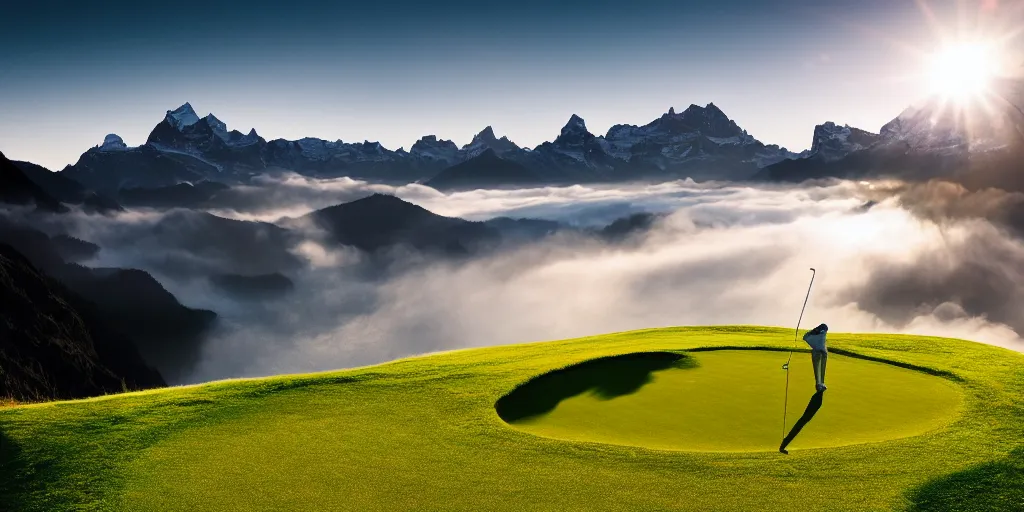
(245, 140)
(675, 153)
(113, 143)
(929, 128)
(432, 149)
(318, 149)
(773, 155)
(484, 140)
(219, 128)
(575, 127)
(728, 141)
(374, 152)
(832, 142)
(182, 116)
(192, 153)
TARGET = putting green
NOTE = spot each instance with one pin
(729, 400)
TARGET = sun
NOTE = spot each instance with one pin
(963, 71)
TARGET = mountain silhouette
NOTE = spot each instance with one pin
(54, 344)
(130, 302)
(168, 334)
(488, 170)
(381, 221)
(67, 190)
(16, 188)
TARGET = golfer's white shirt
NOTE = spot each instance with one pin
(816, 341)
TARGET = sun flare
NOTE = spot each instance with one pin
(961, 72)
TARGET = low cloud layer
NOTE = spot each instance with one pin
(720, 255)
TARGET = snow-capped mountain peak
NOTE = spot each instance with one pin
(217, 125)
(113, 143)
(573, 137)
(487, 134)
(929, 139)
(934, 127)
(709, 120)
(486, 139)
(233, 138)
(832, 141)
(430, 148)
(576, 125)
(182, 116)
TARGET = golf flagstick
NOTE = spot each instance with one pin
(796, 335)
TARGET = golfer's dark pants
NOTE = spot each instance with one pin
(819, 358)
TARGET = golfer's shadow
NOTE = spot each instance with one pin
(809, 412)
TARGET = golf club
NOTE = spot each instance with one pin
(796, 335)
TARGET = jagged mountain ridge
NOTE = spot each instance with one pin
(184, 147)
(832, 142)
(702, 143)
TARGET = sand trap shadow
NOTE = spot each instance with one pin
(606, 377)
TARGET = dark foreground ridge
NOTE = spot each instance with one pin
(53, 344)
(132, 302)
(16, 188)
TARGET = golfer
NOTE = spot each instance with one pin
(819, 354)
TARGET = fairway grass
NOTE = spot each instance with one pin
(943, 429)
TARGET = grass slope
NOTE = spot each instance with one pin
(423, 434)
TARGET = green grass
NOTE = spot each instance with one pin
(732, 400)
(423, 434)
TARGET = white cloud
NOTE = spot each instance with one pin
(727, 255)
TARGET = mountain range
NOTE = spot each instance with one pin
(700, 142)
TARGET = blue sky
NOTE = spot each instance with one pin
(394, 70)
